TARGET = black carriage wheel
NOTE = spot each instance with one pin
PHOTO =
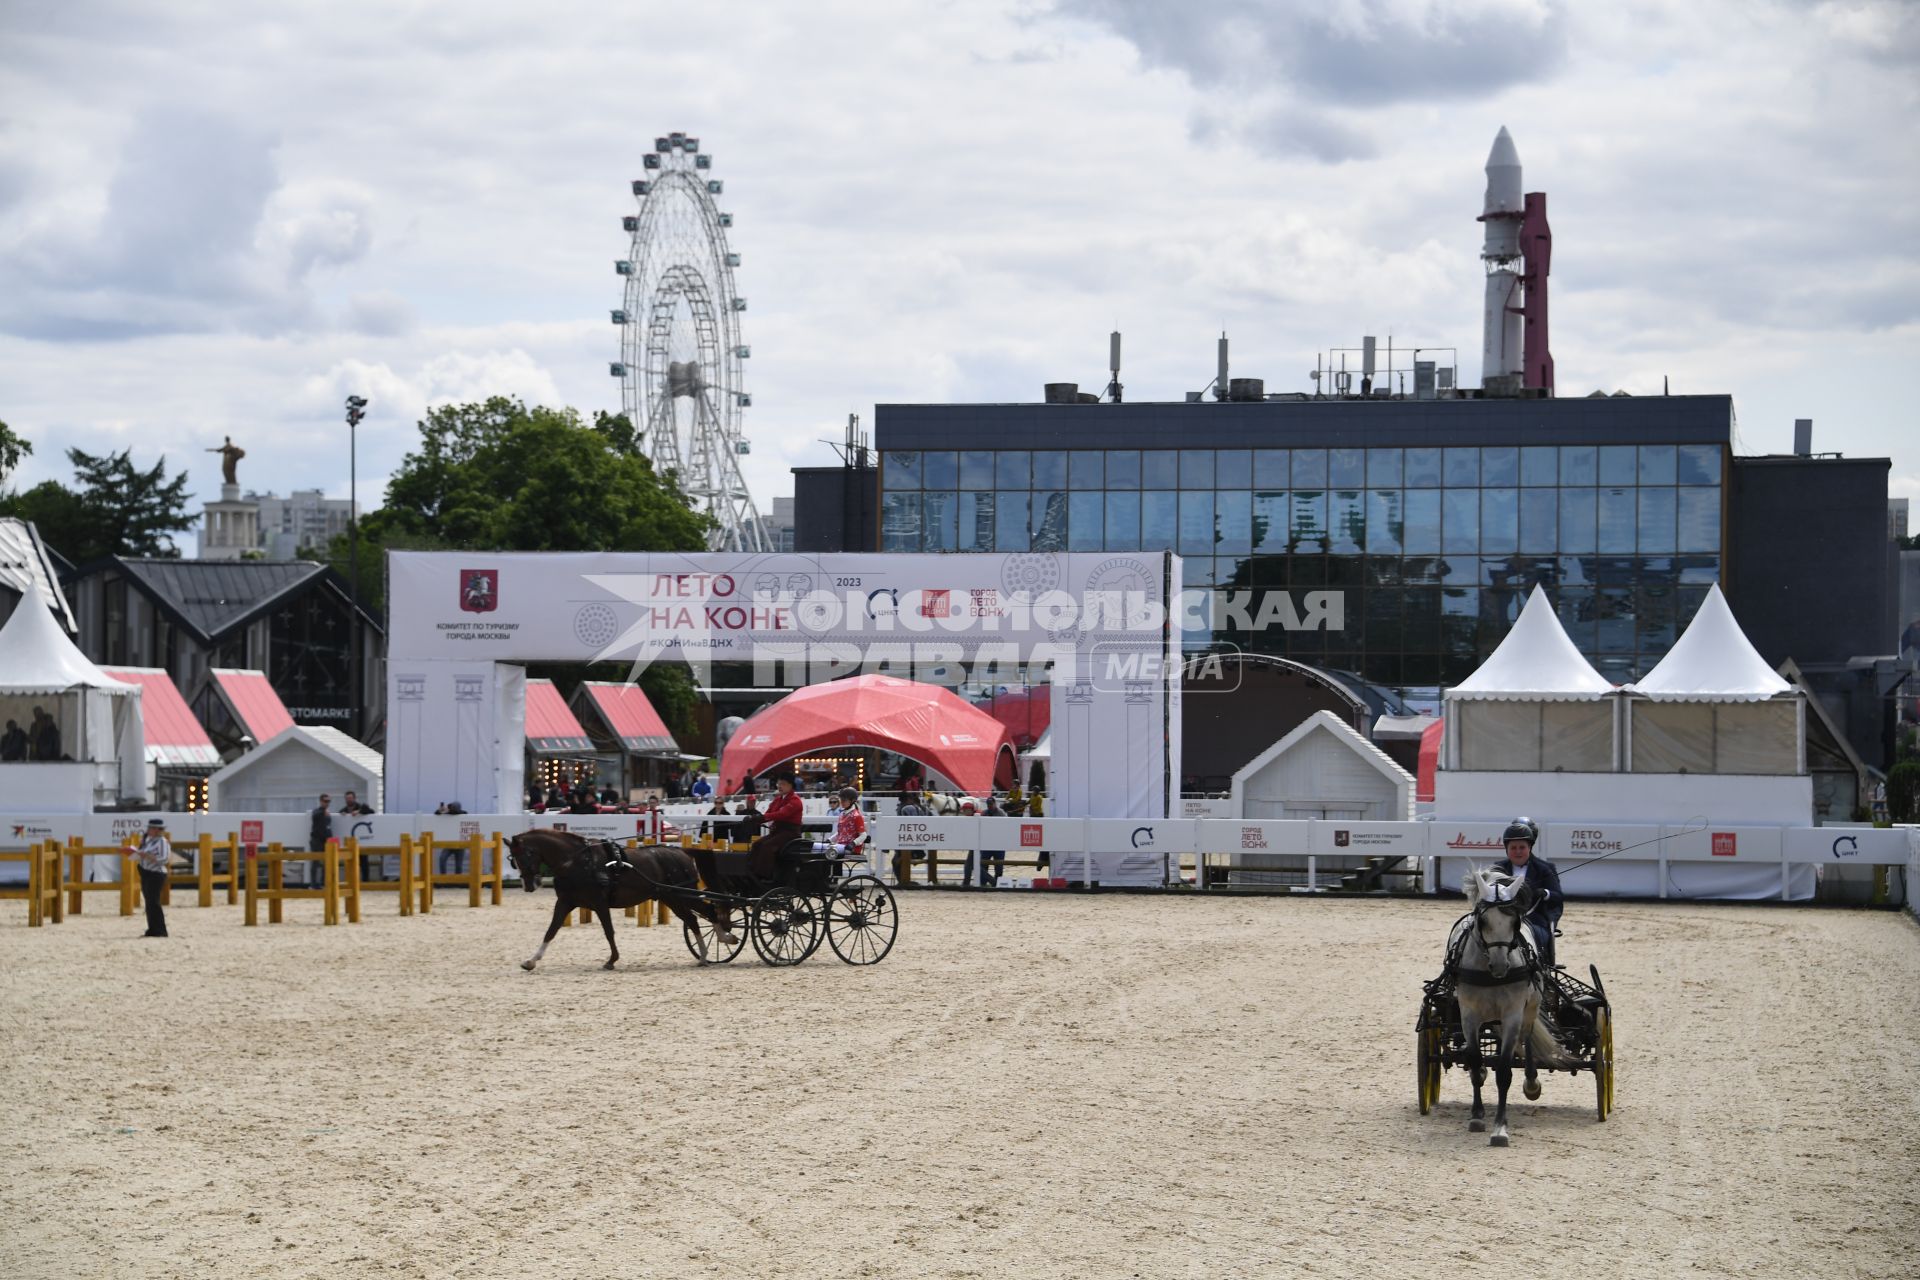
(786, 927)
(862, 920)
(1603, 1062)
(1423, 1066)
(702, 937)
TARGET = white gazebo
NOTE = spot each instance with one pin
(288, 773)
(1323, 769)
(1534, 706)
(102, 744)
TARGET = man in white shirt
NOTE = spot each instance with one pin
(154, 855)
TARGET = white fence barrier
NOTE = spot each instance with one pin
(1595, 859)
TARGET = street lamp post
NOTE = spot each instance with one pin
(356, 410)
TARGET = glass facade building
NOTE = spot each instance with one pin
(1430, 520)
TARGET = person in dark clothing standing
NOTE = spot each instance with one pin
(155, 855)
(46, 736)
(13, 744)
(319, 831)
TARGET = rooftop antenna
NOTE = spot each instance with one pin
(1220, 378)
(1113, 366)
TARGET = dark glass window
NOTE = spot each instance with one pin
(942, 469)
(1309, 517)
(1655, 610)
(1617, 533)
(1575, 606)
(1422, 521)
(1500, 466)
(1656, 520)
(1196, 522)
(1196, 468)
(1384, 521)
(1123, 468)
(976, 520)
(1233, 518)
(900, 469)
(1383, 468)
(1619, 464)
(1050, 469)
(900, 522)
(1578, 519)
(1539, 520)
(1579, 464)
(1613, 620)
(939, 520)
(1048, 520)
(1270, 523)
(1539, 464)
(976, 469)
(1086, 469)
(1460, 522)
(1309, 468)
(1699, 464)
(1010, 521)
(1346, 468)
(1347, 523)
(1086, 521)
(1271, 468)
(1657, 464)
(1012, 469)
(1423, 468)
(1123, 518)
(1159, 520)
(1500, 521)
(1463, 468)
(1233, 468)
(1699, 520)
(1159, 469)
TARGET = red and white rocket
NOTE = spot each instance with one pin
(1517, 253)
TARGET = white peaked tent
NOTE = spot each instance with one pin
(1535, 705)
(1713, 705)
(101, 735)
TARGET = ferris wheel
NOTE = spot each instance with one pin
(680, 348)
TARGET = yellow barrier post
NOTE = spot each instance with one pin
(426, 872)
(353, 890)
(473, 870)
(406, 874)
(253, 894)
(276, 882)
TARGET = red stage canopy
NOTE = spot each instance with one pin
(925, 722)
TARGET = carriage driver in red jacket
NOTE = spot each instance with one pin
(783, 816)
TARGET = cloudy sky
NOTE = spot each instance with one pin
(220, 218)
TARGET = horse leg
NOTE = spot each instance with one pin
(1476, 1071)
(1503, 1076)
(1532, 1087)
(560, 908)
(606, 925)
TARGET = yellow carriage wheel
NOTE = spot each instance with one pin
(1603, 1062)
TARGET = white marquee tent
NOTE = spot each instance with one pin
(1535, 705)
(1713, 705)
(102, 739)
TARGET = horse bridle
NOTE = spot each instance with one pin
(1519, 925)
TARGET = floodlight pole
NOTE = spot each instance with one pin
(356, 410)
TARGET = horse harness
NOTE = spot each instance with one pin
(1528, 972)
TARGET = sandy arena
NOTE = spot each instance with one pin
(1029, 1086)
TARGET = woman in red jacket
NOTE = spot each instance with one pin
(783, 815)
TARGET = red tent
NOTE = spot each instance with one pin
(924, 722)
(1429, 760)
(1025, 712)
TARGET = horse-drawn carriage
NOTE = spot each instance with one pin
(1576, 1016)
(815, 896)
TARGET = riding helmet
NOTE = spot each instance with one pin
(1522, 829)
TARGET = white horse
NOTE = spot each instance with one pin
(1497, 979)
(945, 806)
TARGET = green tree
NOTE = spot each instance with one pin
(502, 476)
(12, 449)
(116, 509)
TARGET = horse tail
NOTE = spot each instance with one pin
(1546, 1050)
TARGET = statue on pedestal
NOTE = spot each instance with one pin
(230, 455)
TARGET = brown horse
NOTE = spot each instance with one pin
(582, 877)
